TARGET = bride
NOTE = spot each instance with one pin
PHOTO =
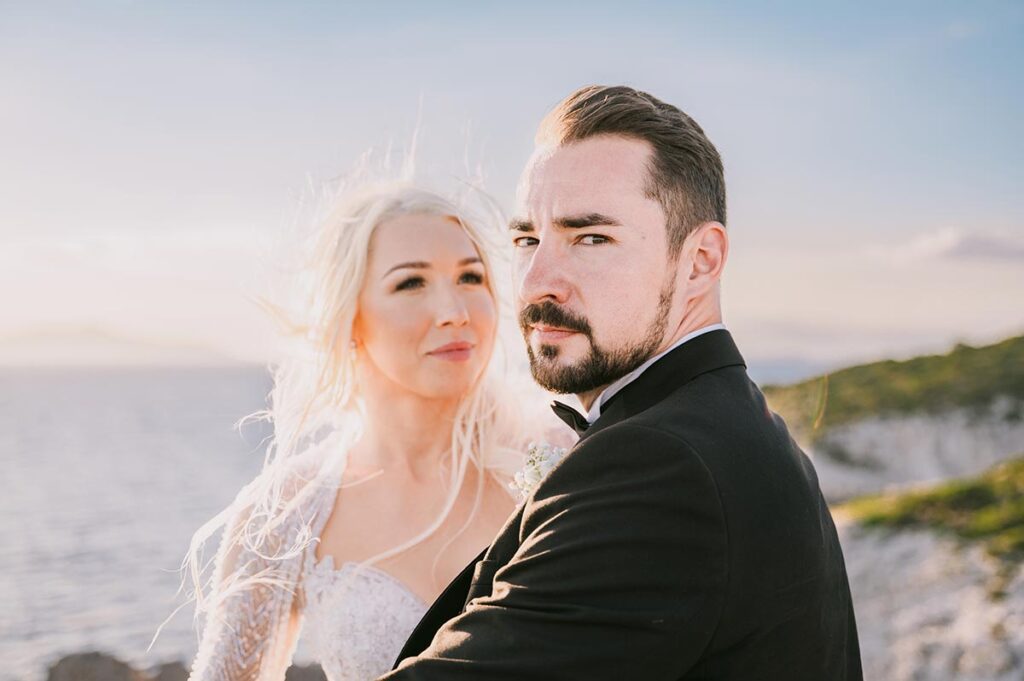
(391, 455)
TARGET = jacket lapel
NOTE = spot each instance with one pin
(707, 352)
(447, 606)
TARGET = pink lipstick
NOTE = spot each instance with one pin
(459, 351)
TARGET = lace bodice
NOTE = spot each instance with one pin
(357, 618)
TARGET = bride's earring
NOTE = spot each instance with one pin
(352, 382)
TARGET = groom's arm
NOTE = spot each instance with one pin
(620, 573)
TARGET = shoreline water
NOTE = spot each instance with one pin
(109, 474)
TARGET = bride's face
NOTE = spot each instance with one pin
(426, 319)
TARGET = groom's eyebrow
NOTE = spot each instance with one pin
(568, 222)
(588, 220)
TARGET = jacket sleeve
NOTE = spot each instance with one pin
(620, 573)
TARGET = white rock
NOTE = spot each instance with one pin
(926, 607)
(889, 453)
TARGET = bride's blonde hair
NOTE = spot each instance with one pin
(315, 407)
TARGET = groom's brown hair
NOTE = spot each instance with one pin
(686, 175)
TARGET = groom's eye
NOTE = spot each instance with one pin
(593, 240)
(524, 241)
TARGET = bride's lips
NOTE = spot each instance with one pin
(551, 334)
(458, 351)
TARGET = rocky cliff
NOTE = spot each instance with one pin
(889, 425)
(936, 578)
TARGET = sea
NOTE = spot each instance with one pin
(106, 474)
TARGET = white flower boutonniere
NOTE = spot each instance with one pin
(540, 459)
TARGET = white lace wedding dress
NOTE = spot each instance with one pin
(356, 617)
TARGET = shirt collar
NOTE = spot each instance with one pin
(595, 408)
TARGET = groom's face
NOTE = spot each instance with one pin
(593, 282)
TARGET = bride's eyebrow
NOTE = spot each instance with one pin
(420, 265)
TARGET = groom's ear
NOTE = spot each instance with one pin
(702, 257)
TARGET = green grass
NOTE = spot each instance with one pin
(989, 509)
(965, 377)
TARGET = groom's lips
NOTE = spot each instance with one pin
(550, 334)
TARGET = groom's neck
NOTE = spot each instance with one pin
(702, 312)
(587, 399)
(696, 318)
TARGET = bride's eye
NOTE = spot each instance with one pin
(471, 278)
(410, 283)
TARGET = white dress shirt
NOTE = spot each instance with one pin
(595, 408)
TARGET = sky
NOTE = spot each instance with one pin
(154, 153)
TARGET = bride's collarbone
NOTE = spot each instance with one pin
(367, 522)
(424, 568)
(408, 500)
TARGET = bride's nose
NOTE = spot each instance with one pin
(451, 309)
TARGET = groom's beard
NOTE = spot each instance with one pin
(600, 366)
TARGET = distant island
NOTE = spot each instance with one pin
(93, 346)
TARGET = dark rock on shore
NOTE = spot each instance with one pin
(93, 667)
(170, 671)
(96, 666)
(311, 673)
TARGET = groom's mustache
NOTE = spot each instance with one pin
(549, 314)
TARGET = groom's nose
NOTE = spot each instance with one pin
(543, 275)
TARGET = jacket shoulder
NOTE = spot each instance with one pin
(631, 464)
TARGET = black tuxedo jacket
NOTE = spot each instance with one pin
(683, 537)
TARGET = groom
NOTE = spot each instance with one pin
(685, 536)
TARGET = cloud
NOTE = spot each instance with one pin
(976, 246)
(955, 244)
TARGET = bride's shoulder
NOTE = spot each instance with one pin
(315, 462)
(296, 481)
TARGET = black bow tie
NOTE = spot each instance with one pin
(572, 418)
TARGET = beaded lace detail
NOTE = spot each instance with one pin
(250, 634)
(357, 618)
